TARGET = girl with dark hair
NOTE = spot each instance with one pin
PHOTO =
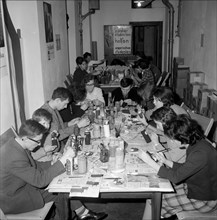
(145, 92)
(164, 96)
(126, 91)
(195, 180)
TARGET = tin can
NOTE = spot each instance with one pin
(69, 166)
(87, 137)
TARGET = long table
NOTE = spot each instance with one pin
(139, 180)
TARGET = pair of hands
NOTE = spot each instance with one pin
(68, 153)
(81, 122)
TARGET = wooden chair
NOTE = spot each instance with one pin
(163, 79)
(69, 79)
(205, 122)
(195, 215)
(38, 214)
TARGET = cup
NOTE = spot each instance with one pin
(82, 164)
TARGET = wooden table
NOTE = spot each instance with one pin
(152, 188)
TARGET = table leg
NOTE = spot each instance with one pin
(156, 205)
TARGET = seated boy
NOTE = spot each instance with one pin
(44, 153)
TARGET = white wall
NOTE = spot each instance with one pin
(28, 24)
(120, 12)
(41, 75)
(199, 17)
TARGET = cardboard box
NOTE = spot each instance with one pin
(196, 77)
(202, 98)
(194, 87)
(178, 60)
(183, 72)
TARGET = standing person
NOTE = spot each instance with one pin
(126, 91)
(91, 64)
(195, 180)
(94, 94)
(23, 180)
(81, 70)
(59, 100)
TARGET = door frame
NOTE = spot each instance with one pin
(159, 25)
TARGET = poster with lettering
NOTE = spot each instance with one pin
(122, 39)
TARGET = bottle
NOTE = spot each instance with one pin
(106, 128)
(110, 104)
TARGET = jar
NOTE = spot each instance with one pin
(82, 164)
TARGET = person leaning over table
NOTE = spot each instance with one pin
(126, 91)
(195, 180)
(23, 180)
(45, 152)
(59, 100)
(145, 92)
(144, 75)
(94, 94)
(77, 107)
(164, 96)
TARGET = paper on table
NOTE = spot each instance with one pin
(90, 189)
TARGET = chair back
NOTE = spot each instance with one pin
(7, 135)
(70, 79)
(163, 78)
(205, 122)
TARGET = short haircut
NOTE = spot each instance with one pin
(31, 128)
(125, 82)
(143, 63)
(61, 93)
(185, 130)
(78, 92)
(79, 60)
(164, 115)
(40, 114)
(86, 54)
(87, 79)
(165, 95)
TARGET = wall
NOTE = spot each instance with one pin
(41, 76)
(199, 17)
(120, 12)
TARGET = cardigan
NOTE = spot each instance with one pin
(198, 171)
(21, 177)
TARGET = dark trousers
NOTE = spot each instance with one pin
(63, 205)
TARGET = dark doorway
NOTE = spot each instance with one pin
(147, 38)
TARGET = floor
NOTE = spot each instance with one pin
(120, 210)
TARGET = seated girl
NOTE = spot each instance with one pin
(194, 180)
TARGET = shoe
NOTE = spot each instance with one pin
(93, 216)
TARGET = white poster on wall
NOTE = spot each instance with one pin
(122, 39)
